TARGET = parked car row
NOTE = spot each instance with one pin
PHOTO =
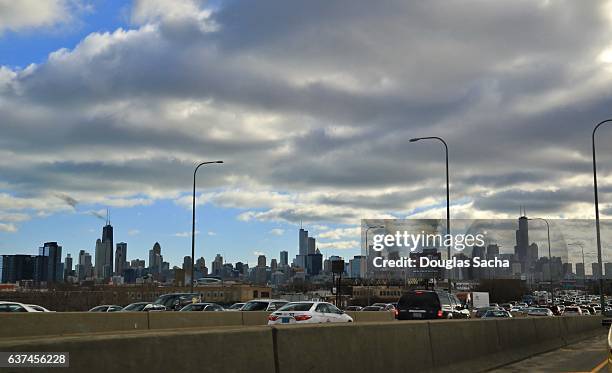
(21, 307)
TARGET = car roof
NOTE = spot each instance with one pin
(268, 300)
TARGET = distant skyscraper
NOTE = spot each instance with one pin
(67, 266)
(273, 264)
(84, 268)
(155, 259)
(217, 265)
(314, 263)
(261, 261)
(107, 237)
(187, 269)
(284, 258)
(51, 254)
(303, 242)
(121, 258)
(522, 239)
(608, 270)
(580, 270)
(103, 266)
(14, 268)
(596, 271)
(311, 245)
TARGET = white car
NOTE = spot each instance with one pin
(263, 305)
(15, 307)
(308, 313)
(572, 311)
(539, 312)
(38, 308)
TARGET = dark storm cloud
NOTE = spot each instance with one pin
(323, 97)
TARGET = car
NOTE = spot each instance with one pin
(493, 305)
(263, 305)
(15, 307)
(353, 308)
(386, 306)
(516, 309)
(556, 310)
(506, 306)
(235, 307)
(572, 311)
(143, 307)
(38, 308)
(106, 308)
(540, 311)
(308, 313)
(479, 312)
(213, 307)
(176, 301)
(496, 313)
(591, 310)
(429, 304)
(372, 309)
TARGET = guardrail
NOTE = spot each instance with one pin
(419, 346)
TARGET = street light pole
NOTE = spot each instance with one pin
(549, 256)
(193, 209)
(367, 255)
(447, 198)
(601, 281)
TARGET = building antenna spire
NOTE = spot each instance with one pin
(107, 217)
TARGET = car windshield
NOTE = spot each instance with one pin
(236, 306)
(296, 307)
(255, 306)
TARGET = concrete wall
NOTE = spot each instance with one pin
(412, 346)
(425, 346)
(64, 323)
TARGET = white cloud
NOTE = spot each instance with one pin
(185, 234)
(339, 245)
(17, 15)
(134, 232)
(10, 228)
(340, 233)
(211, 233)
(277, 231)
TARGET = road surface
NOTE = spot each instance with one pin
(586, 356)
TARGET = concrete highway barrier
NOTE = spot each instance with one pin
(63, 323)
(176, 320)
(60, 323)
(205, 350)
(419, 346)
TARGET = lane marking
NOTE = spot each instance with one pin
(600, 366)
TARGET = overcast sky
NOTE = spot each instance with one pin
(107, 104)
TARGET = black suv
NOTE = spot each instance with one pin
(429, 304)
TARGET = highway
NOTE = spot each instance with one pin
(585, 356)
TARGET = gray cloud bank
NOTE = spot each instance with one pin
(317, 101)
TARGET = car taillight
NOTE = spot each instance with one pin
(440, 314)
(302, 317)
(396, 312)
(272, 317)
